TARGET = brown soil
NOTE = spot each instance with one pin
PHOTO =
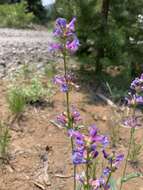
(40, 153)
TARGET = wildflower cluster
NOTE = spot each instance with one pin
(75, 117)
(65, 82)
(135, 96)
(85, 147)
(134, 100)
(66, 33)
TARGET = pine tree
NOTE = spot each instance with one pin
(111, 31)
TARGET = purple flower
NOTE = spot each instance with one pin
(61, 81)
(61, 22)
(94, 154)
(139, 100)
(132, 122)
(75, 115)
(106, 171)
(118, 160)
(66, 31)
(106, 156)
(105, 141)
(73, 45)
(96, 184)
(71, 25)
(81, 178)
(62, 119)
(53, 47)
(137, 84)
(60, 27)
(134, 99)
(64, 88)
(65, 83)
(79, 138)
(78, 157)
(93, 131)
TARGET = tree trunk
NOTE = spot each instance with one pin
(104, 20)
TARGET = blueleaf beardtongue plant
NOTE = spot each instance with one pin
(85, 147)
(133, 100)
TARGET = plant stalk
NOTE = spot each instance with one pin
(68, 111)
(128, 154)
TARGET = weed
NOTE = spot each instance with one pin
(16, 100)
(4, 141)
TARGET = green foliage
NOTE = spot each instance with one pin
(34, 91)
(15, 15)
(36, 7)
(4, 141)
(16, 100)
(112, 182)
(136, 150)
(131, 176)
(110, 32)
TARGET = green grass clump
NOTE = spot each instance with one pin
(16, 100)
(34, 91)
(4, 142)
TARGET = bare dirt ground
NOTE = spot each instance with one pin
(40, 153)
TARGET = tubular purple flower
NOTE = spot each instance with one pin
(75, 134)
(134, 99)
(61, 81)
(106, 156)
(105, 141)
(61, 22)
(64, 88)
(132, 122)
(78, 157)
(57, 32)
(137, 84)
(72, 46)
(80, 178)
(106, 171)
(93, 131)
(139, 100)
(75, 115)
(94, 153)
(118, 160)
(96, 184)
(62, 119)
(71, 25)
(60, 27)
(53, 47)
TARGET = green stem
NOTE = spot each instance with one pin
(128, 154)
(74, 172)
(67, 93)
(110, 174)
(87, 171)
(129, 148)
(70, 125)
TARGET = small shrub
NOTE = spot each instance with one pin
(16, 100)
(14, 15)
(34, 91)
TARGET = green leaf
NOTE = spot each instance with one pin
(113, 183)
(131, 176)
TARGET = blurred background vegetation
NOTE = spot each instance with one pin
(110, 32)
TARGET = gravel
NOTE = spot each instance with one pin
(19, 47)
